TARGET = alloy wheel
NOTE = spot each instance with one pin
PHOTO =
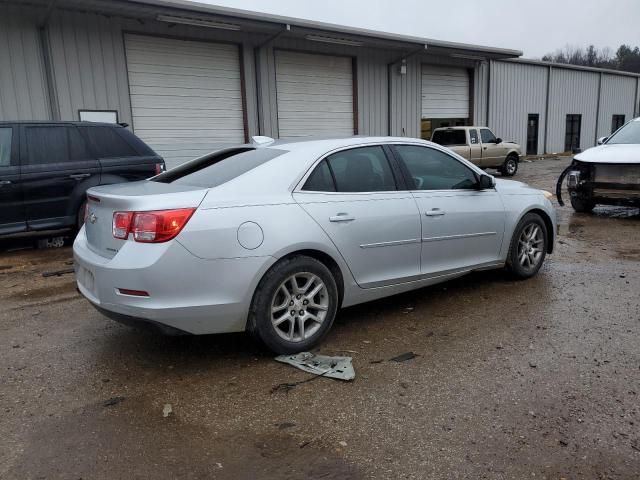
(299, 307)
(530, 246)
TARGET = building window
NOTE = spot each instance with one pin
(102, 116)
(572, 133)
(616, 122)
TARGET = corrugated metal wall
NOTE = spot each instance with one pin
(572, 92)
(617, 97)
(516, 91)
(406, 100)
(23, 90)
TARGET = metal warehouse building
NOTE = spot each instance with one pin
(189, 78)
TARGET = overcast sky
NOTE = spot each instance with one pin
(533, 26)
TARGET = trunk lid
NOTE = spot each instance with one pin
(140, 196)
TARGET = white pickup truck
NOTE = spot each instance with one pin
(480, 146)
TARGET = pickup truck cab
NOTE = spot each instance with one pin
(480, 146)
(47, 167)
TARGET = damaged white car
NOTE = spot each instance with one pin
(608, 174)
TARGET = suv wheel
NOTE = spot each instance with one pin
(528, 247)
(582, 204)
(510, 166)
(294, 305)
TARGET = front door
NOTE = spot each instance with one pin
(353, 195)
(12, 219)
(532, 134)
(492, 152)
(462, 227)
(55, 164)
(572, 133)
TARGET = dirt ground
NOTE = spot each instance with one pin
(514, 380)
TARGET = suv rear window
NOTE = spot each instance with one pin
(449, 137)
(108, 144)
(218, 167)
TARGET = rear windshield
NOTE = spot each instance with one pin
(630, 133)
(218, 167)
(449, 137)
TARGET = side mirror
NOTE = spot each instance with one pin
(486, 182)
(601, 140)
(498, 140)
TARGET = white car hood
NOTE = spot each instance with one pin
(614, 153)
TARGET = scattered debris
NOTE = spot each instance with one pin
(533, 365)
(167, 410)
(340, 368)
(113, 401)
(408, 309)
(15, 345)
(54, 242)
(57, 273)
(285, 425)
(376, 361)
(563, 443)
(342, 443)
(404, 357)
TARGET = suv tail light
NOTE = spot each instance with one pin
(151, 227)
(159, 168)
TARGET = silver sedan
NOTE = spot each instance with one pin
(274, 237)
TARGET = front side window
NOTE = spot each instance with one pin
(432, 169)
(449, 137)
(487, 136)
(6, 134)
(364, 169)
(473, 135)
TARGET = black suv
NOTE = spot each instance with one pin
(46, 168)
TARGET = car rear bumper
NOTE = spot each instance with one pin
(186, 293)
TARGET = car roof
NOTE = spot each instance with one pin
(60, 122)
(330, 143)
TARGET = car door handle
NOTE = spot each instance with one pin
(484, 148)
(436, 212)
(342, 217)
(5, 182)
(78, 176)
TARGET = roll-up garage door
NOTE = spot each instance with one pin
(445, 92)
(314, 94)
(186, 96)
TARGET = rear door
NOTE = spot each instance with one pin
(123, 157)
(57, 168)
(353, 195)
(12, 218)
(462, 227)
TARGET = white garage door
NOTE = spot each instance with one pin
(315, 94)
(186, 96)
(445, 92)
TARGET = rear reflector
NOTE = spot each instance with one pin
(151, 227)
(133, 293)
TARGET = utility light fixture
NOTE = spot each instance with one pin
(199, 22)
(334, 40)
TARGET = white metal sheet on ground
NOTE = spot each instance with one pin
(314, 94)
(445, 92)
(186, 96)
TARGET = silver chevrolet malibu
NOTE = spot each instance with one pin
(275, 236)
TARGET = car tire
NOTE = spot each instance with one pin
(510, 166)
(582, 205)
(281, 310)
(80, 215)
(528, 247)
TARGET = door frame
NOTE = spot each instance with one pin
(536, 116)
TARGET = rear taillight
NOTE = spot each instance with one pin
(159, 168)
(151, 227)
(86, 213)
(121, 224)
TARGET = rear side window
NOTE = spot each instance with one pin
(5, 146)
(320, 179)
(219, 167)
(473, 135)
(142, 148)
(431, 169)
(54, 144)
(449, 137)
(108, 144)
(364, 169)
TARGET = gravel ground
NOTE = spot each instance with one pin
(534, 379)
